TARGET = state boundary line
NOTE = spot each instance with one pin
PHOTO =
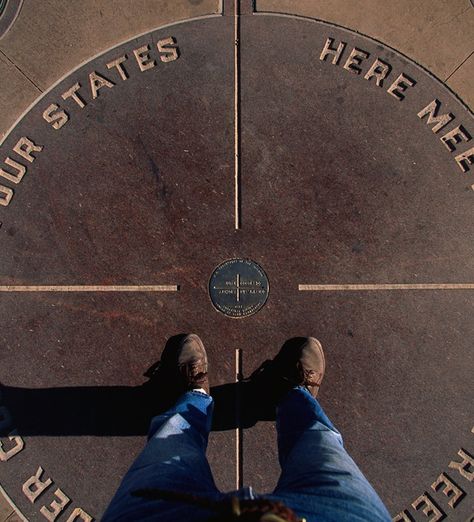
(375, 287)
(237, 194)
(239, 434)
(89, 288)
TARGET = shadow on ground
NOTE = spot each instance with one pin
(111, 410)
(127, 410)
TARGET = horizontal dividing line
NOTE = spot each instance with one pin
(90, 288)
(420, 286)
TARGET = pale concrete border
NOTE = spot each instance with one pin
(44, 93)
(15, 510)
(332, 24)
(441, 44)
(204, 17)
(335, 13)
(50, 37)
(12, 10)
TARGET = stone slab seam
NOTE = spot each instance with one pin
(21, 72)
(460, 65)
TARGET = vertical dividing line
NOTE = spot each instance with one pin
(239, 475)
(237, 114)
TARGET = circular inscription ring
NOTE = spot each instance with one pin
(238, 288)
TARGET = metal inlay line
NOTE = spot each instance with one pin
(89, 288)
(237, 192)
(365, 287)
(239, 435)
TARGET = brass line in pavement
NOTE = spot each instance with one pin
(361, 287)
(239, 479)
(236, 115)
(89, 288)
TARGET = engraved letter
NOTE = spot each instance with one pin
(465, 159)
(79, 513)
(57, 507)
(25, 147)
(19, 445)
(466, 463)
(354, 60)
(431, 110)
(379, 70)
(455, 136)
(72, 93)
(34, 487)
(6, 195)
(404, 516)
(117, 63)
(327, 50)
(5, 419)
(400, 85)
(97, 81)
(14, 178)
(452, 491)
(430, 508)
(55, 117)
(142, 54)
(166, 46)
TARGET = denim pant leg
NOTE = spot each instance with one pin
(319, 480)
(173, 459)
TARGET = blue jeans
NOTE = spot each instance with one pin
(319, 480)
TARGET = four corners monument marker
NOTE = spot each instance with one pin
(167, 184)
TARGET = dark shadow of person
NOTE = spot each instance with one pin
(127, 410)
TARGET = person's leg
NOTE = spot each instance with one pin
(319, 479)
(174, 459)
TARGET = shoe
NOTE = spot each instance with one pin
(184, 364)
(301, 362)
(192, 363)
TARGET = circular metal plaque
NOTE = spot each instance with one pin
(238, 288)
